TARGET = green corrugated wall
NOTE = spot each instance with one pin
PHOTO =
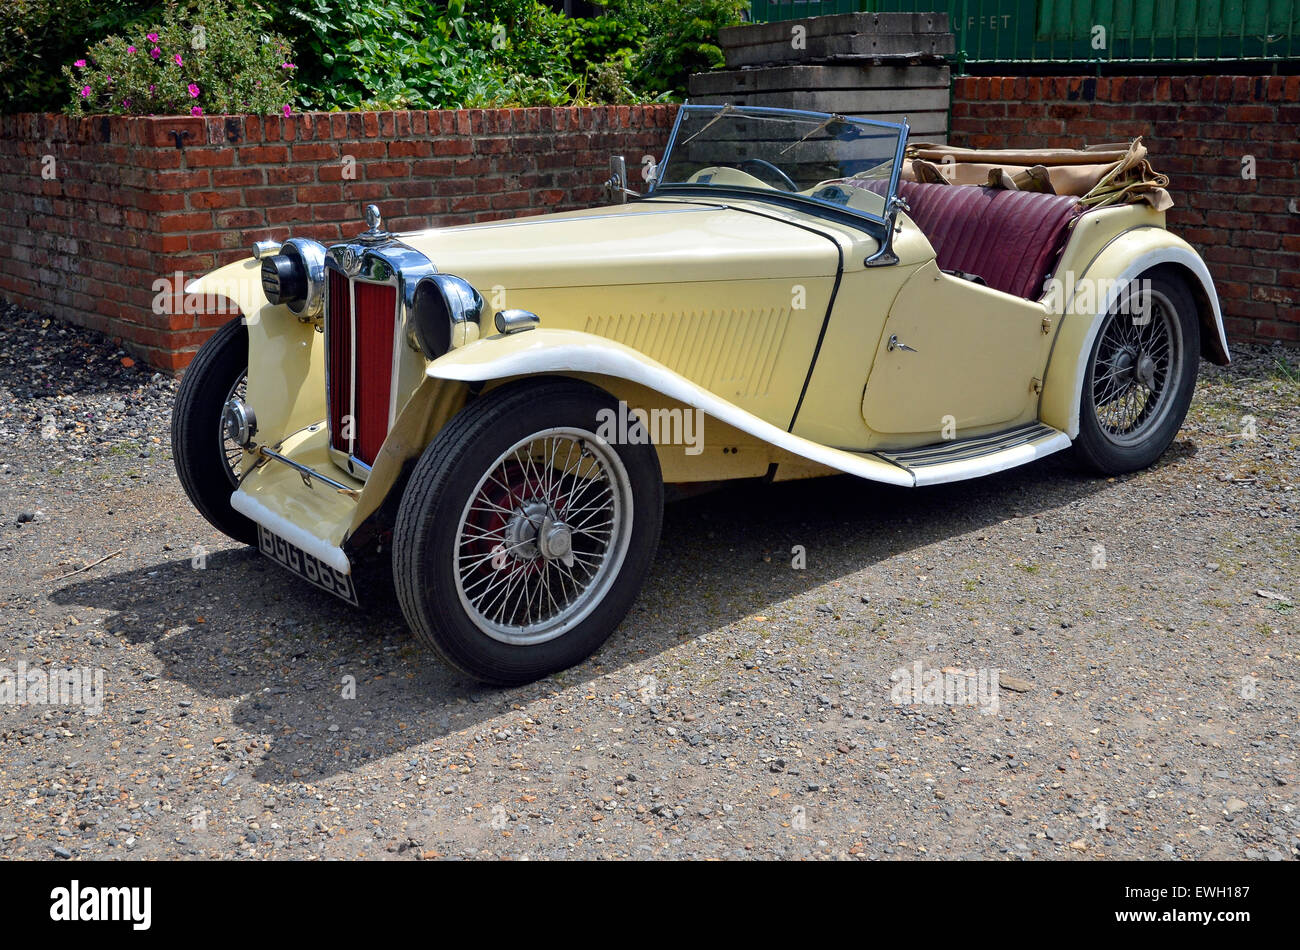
(1090, 31)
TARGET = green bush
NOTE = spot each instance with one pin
(39, 37)
(212, 57)
(411, 53)
(373, 54)
(681, 38)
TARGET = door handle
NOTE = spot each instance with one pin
(896, 344)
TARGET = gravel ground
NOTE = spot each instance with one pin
(1143, 627)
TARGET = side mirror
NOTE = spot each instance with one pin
(616, 189)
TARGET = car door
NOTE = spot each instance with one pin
(955, 357)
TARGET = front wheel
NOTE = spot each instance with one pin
(1140, 377)
(207, 461)
(524, 536)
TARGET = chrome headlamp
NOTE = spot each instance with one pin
(295, 276)
(445, 311)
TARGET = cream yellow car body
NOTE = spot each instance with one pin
(730, 328)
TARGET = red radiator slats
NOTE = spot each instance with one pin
(367, 421)
(376, 313)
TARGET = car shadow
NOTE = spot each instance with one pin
(243, 627)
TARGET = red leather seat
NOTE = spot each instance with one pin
(1012, 239)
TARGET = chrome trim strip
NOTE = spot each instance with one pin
(352, 373)
(940, 472)
(968, 448)
(395, 361)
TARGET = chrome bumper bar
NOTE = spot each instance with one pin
(305, 471)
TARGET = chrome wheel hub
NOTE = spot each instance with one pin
(556, 541)
(523, 528)
(1144, 371)
(533, 531)
(236, 427)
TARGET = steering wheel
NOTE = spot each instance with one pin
(786, 181)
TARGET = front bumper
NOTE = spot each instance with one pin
(307, 512)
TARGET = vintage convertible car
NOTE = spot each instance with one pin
(499, 407)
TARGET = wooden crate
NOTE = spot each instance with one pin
(840, 38)
(888, 93)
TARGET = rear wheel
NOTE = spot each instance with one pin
(207, 462)
(1140, 377)
(524, 536)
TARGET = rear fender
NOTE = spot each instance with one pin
(1125, 258)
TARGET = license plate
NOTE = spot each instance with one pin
(304, 565)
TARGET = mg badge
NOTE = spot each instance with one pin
(350, 261)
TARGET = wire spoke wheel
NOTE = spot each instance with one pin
(543, 536)
(523, 536)
(231, 450)
(1138, 363)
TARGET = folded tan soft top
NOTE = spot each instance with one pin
(1100, 174)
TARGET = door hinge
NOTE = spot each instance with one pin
(1036, 386)
(1047, 324)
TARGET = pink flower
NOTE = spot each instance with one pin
(288, 66)
(151, 89)
(155, 52)
(130, 49)
(196, 111)
(151, 37)
(80, 64)
(85, 92)
(177, 60)
(194, 91)
(126, 103)
(286, 110)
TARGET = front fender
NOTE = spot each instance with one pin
(572, 352)
(286, 362)
(1122, 260)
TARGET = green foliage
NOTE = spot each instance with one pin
(417, 54)
(681, 38)
(410, 54)
(352, 54)
(39, 37)
(210, 57)
(603, 39)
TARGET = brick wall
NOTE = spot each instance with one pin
(1198, 129)
(94, 211)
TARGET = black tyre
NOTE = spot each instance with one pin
(523, 536)
(1140, 377)
(206, 461)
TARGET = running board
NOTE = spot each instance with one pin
(970, 458)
